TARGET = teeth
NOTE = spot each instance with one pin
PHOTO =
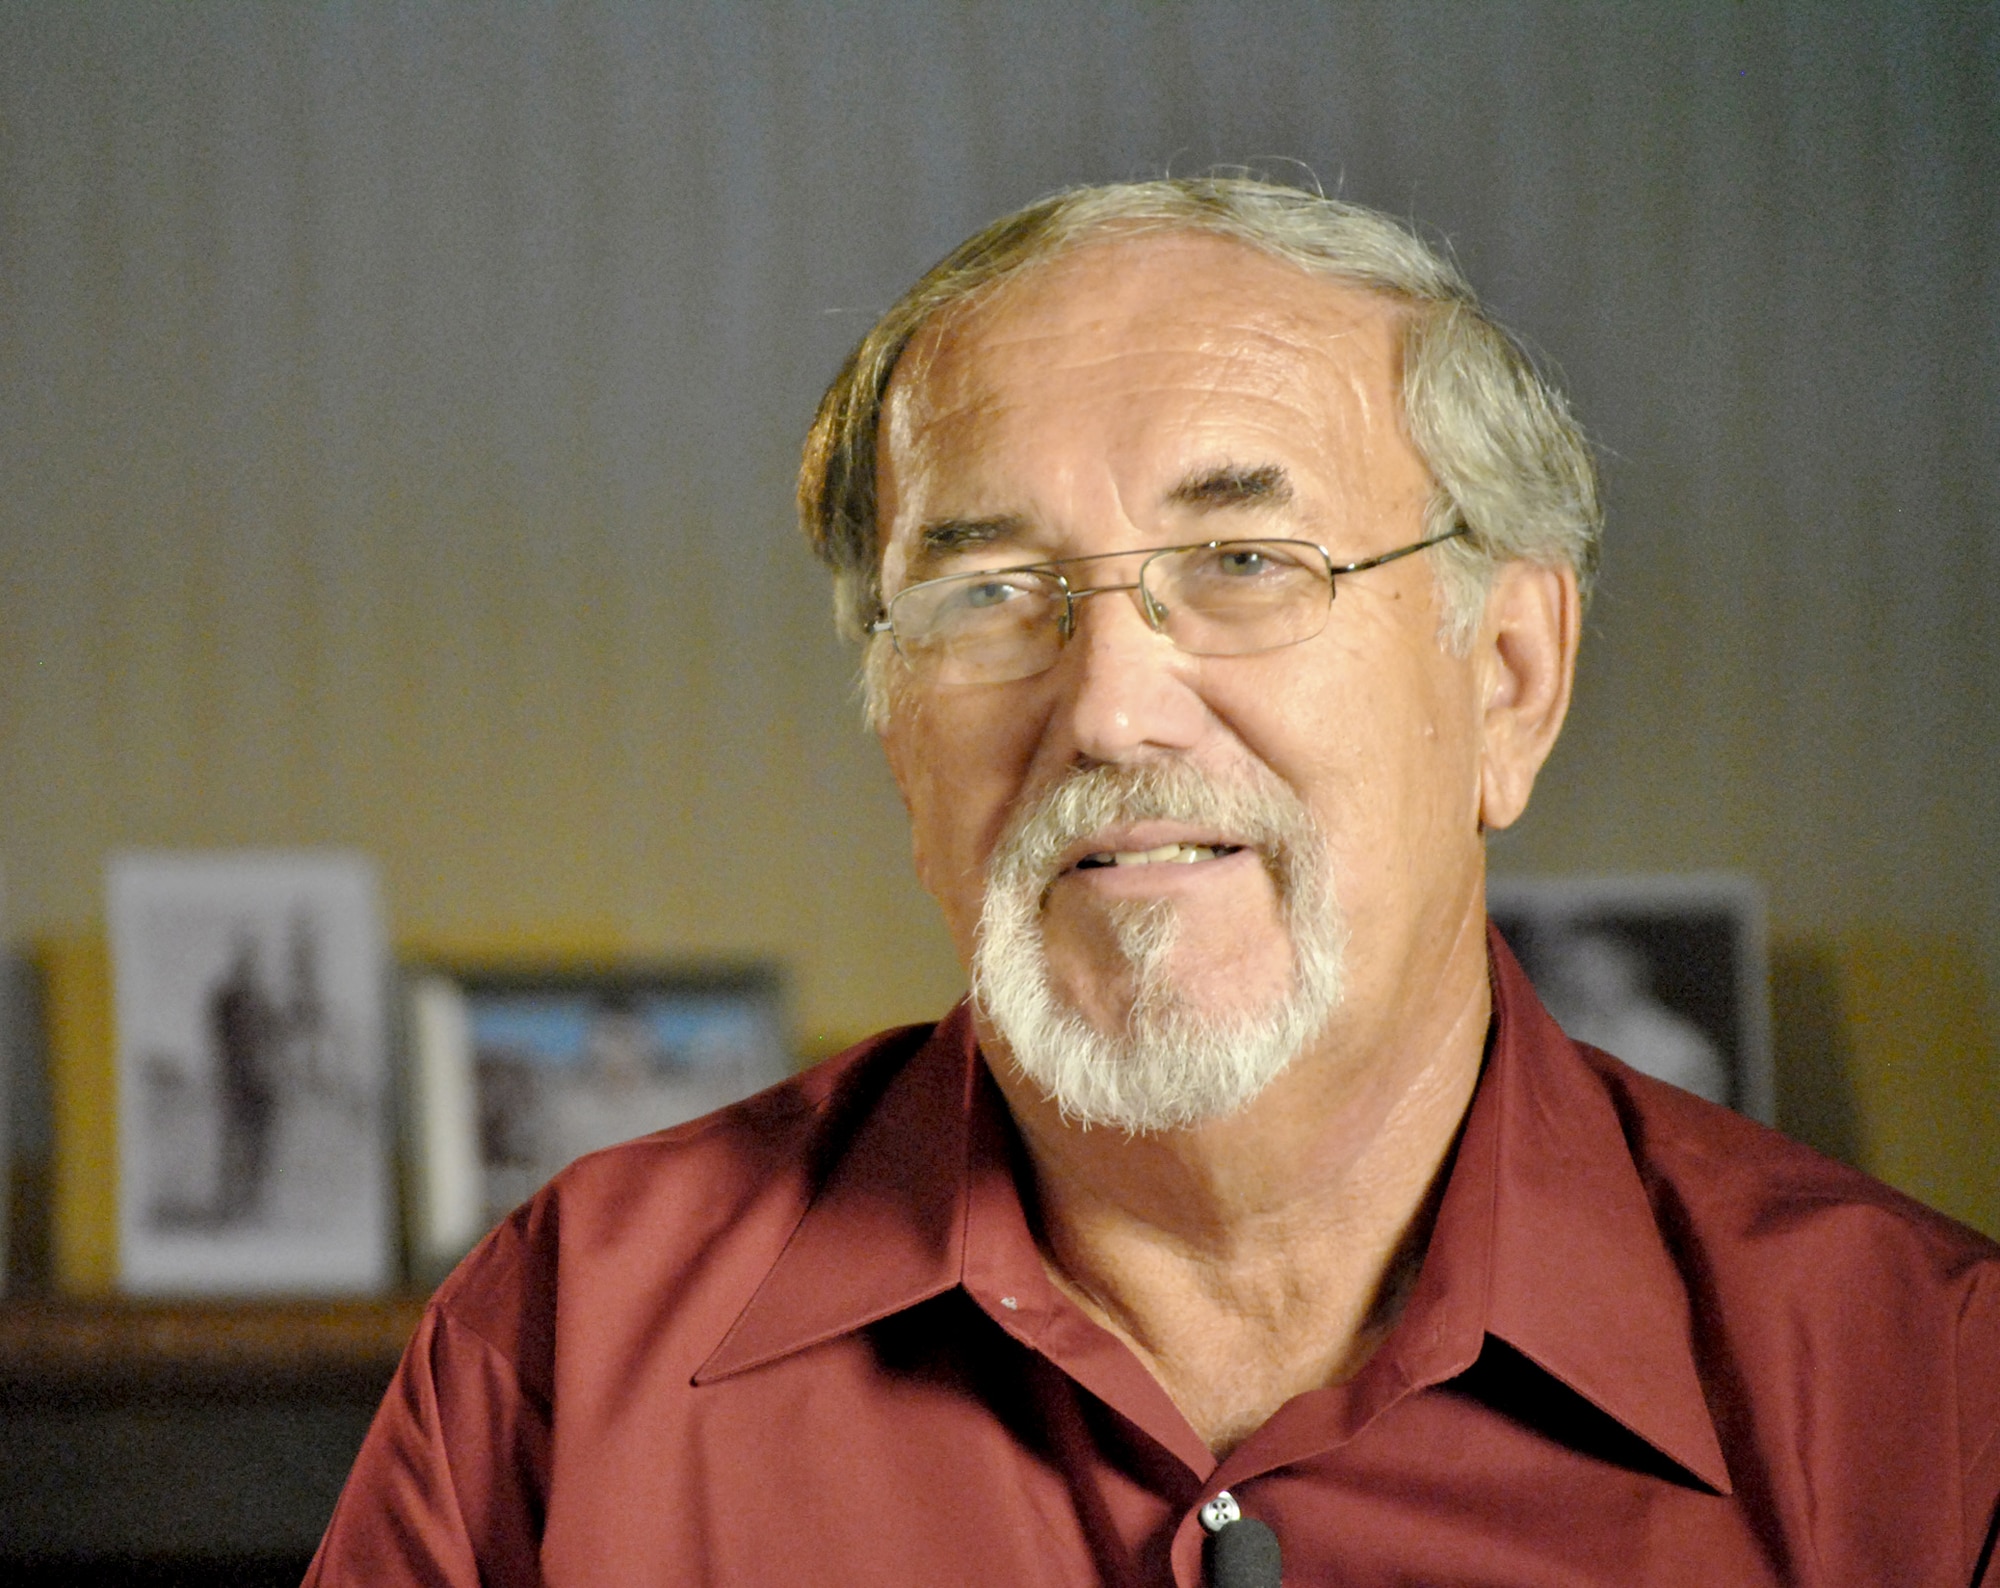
(1178, 854)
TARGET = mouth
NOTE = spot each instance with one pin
(1127, 847)
(1103, 832)
(1169, 854)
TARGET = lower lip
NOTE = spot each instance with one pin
(1161, 877)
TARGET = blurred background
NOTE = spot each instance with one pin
(399, 404)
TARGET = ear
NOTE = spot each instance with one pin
(1527, 662)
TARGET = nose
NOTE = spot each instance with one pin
(1126, 690)
(1154, 615)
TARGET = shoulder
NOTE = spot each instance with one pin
(1728, 1181)
(1787, 1252)
(677, 1227)
(1828, 1311)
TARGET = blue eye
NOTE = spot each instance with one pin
(985, 593)
(1242, 564)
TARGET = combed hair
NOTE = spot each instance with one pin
(1507, 459)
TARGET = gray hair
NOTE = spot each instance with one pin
(1507, 460)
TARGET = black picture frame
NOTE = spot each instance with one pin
(1686, 955)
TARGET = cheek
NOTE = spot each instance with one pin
(1435, 759)
(909, 743)
(1390, 770)
(959, 772)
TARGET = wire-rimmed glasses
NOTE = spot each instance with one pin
(1213, 598)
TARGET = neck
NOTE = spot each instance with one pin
(1251, 1258)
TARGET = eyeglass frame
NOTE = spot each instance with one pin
(1149, 606)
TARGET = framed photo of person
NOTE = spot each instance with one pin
(514, 1072)
(252, 1067)
(1669, 973)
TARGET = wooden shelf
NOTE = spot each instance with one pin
(50, 1343)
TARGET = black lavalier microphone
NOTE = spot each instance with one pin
(1242, 1552)
(1243, 1555)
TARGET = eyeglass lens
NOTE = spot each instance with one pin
(1229, 599)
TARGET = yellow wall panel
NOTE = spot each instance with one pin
(1925, 1074)
(84, 1086)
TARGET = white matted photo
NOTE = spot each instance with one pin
(515, 1073)
(252, 1073)
(1669, 973)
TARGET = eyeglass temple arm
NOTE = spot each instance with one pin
(1366, 563)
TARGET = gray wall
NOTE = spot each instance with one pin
(397, 405)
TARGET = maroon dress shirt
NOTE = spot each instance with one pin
(809, 1340)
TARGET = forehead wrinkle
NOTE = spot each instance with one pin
(1286, 304)
(961, 360)
(1318, 354)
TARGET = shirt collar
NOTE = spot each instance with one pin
(887, 1229)
(1545, 1238)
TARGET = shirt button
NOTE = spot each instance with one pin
(1009, 1303)
(1220, 1512)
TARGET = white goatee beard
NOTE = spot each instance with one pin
(1172, 1064)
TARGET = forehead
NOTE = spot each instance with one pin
(1179, 330)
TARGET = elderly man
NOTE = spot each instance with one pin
(1220, 567)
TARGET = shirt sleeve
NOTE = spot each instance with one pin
(449, 1487)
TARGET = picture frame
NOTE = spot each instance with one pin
(251, 1064)
(516, 1069)
(1670, 973)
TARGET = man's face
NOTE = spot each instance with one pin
(1148, 392)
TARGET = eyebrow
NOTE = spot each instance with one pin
(1227, 485)
(944, 536)
(1266, 485)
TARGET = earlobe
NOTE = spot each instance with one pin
(1527, 654)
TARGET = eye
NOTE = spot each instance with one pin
(977, 595)
(1244, 562)
(1015, 595)
(1241, 562)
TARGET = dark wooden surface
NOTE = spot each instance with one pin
(54, 1346)
(186, 1443)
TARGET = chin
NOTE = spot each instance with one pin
(1176, 1060)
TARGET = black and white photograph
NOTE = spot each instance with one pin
(1668, 973)
(252, 1068)
(515, 1074)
